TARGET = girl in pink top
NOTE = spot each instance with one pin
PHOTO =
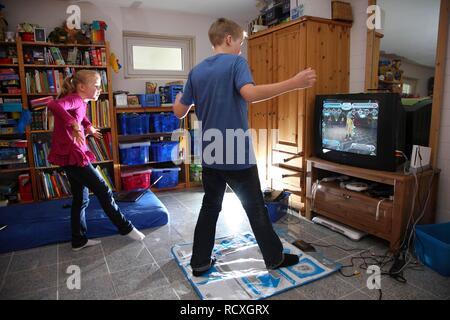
(69, 150)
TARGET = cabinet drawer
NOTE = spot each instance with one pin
(353, 208)
(287, 179)
(289, 159)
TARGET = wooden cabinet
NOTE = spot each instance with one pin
(276, 55)
(385, 218)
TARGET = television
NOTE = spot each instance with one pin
(361, 129)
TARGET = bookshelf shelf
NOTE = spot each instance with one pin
(139, 109)
(9, 65)
(63, 66)
(3, 171)
(64, 45)
(10, 94)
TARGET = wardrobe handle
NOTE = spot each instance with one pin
(291, 175)
(297, 155)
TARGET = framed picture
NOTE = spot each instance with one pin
(133, 100)
(39, 34)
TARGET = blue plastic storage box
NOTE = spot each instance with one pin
(164, 122)
(164, 151)
(432, 246)
(149, 100)
(278, 209)
(134, 153)
(134, 123)
(169, 177)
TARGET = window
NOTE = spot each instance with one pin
(158, 57)
(409, 86)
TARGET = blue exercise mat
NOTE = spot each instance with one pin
(240, 273)
(37, 224)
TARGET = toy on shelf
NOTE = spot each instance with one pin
(114, 62)
(390, 76)
(98, 31)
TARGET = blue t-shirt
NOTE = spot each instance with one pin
(213, 86)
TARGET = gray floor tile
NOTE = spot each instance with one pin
(4, 263)
(357, 295)
(101, 288)
(163, 293)
(65, 252)
(90, 268)
(23, 282)
(33, 259)
(128, 256)
(429, 281)
(172, 271)
(166, 235)
(40, 294)
(139, 279)
(184, 290)
(393, 290)
(329, 251)
(328, 288)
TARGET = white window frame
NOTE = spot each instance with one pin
(186, 43)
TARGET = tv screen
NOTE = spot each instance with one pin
(350, 126)
(360, 129)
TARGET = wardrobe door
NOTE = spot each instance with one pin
(260, 61)
(289, 57)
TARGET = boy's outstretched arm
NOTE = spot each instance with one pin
(303, 79)
(179, 109)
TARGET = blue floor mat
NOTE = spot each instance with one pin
(240, 273)
(37, 224)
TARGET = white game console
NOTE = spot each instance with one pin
(347, 231)
(420, 158)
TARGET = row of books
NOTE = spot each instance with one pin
(40, 153)
(87, 57)
(13, 155)
(102, 149)
(66, 56)
(9, 81)
(99, 113)
(52, 185)
(51, 80)
(42, 119)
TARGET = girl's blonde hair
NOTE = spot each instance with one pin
(70, 83)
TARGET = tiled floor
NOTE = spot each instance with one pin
(122, 269)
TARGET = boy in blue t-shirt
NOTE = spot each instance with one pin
(220, 87)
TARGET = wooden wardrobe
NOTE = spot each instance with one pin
(275, 55)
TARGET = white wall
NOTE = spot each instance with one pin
(358, 38)
(118, 20)
(421, 73)
(358, 45)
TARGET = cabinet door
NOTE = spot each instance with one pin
(289, 58)
(260, 60)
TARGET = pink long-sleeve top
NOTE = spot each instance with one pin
(64, 151)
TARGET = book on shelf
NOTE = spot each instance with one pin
(40, 153)
(104, 173)
(99, 113)
(100, 148)
(52, 185)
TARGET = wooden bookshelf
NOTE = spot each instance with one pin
(32, 167)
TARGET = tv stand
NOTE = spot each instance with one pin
(385, 218)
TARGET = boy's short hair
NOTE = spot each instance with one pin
(222, 28)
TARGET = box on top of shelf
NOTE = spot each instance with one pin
(169, 177)
(134, 123)
(134, 153)
(164, 151)
(169, 93)
(149, 100)
(432, 246)
(136, 179)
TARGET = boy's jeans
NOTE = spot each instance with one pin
(246, 185)
(81, 180)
